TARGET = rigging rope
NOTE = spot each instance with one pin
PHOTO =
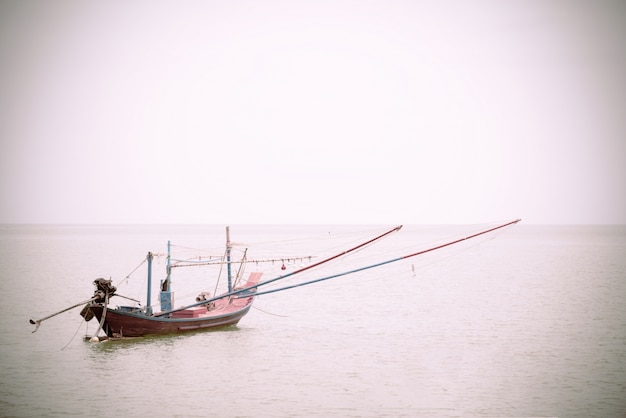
(219, 276)
(125, 279)
(240, 271)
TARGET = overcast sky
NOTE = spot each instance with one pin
(337, 111)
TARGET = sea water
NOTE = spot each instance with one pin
(532, 323)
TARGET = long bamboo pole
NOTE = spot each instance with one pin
(382, 263)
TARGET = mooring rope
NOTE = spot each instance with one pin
(80, 325)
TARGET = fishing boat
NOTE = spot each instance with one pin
(208, 311)
(131, 321)
(136, 321)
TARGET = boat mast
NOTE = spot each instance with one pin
(148, 298)
(228, 267)
(169, 266)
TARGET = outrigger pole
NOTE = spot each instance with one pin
(382, 263)
(236, 292)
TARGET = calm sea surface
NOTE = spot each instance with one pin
(532, 323)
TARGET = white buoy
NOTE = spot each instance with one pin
(94, 340)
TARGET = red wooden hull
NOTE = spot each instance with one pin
(122, 323)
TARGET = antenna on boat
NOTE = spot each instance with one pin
(166, 291)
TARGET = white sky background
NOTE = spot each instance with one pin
(313, 112)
